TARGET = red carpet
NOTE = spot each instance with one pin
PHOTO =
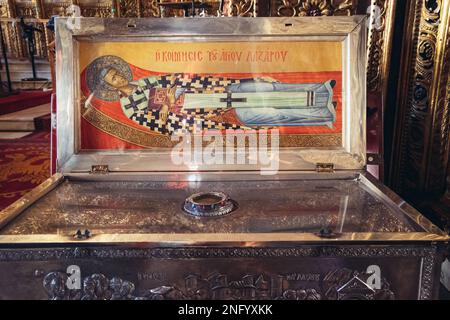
(24, 164)
(24, 100)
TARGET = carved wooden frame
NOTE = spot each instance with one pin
(420, 158)
(381, 30)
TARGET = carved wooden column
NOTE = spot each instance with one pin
(30, 10)
(379, 54)
(421, 150)
(10, 32)
(441, 208)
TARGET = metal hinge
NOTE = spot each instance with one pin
(79, 235)
(100, 169)
(325, 167)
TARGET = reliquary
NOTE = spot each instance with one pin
(207, 158)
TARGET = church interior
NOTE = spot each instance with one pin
(407, 125)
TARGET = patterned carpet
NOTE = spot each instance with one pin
(24, 164)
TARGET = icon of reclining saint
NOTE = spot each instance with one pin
(174, 103)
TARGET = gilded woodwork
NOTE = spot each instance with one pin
(312, 7)
(31, 9)
(380, 37)
(165, 11)
(12, 34)
(129, 8)
(242, 8)
(16, 46)
(50, 8)
(98, 9)
(380, 33)
(425, 127)
(26, 9)
(5, 10)
(149, 8)
(137, 8)
(421, 146)
(9, 31)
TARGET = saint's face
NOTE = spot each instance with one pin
(115, 79)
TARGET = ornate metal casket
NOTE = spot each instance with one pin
(123, 220)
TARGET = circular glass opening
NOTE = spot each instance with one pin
(209, 204)
(208, 199)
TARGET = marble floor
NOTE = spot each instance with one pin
(24, 120)
(14, 134)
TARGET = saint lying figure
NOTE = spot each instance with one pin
(175, 103)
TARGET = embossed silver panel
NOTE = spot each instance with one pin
(287, 273)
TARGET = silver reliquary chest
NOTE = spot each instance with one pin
(214, 159)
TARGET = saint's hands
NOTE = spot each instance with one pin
(171, 95)
(267, 79)
(170, 101)
(164, 114)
